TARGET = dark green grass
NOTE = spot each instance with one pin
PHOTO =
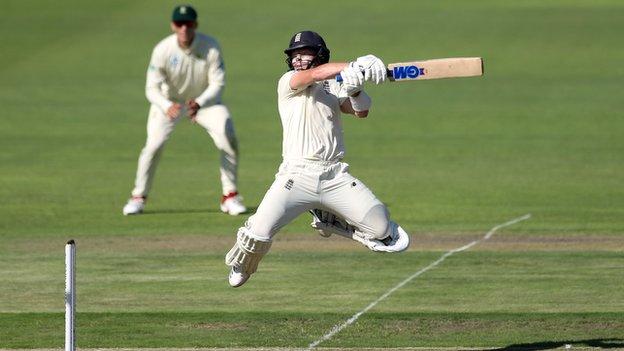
(174, 330)
(541, 133)
(182, 299)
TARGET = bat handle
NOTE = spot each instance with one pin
(339, 77)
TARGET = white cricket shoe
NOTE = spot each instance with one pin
(232, 204)
(134, 206)
(237, 278)
(397, 241)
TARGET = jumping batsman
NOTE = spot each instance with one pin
(186, 76)
(312, 176)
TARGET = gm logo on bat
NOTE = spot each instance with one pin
(403, 72)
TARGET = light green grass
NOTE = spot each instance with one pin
(540, 133)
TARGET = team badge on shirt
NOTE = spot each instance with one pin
(174, 60)
(289, 184)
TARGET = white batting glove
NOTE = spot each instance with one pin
(373, 67)
(352, 79)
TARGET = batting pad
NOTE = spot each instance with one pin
(247, 252)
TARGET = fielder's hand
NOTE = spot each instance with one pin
(374, 69)
(352, 79)
(174, 111)
(192, 107)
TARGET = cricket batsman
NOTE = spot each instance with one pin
(186, 77)
(312, 177)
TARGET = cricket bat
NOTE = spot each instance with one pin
(453, 67)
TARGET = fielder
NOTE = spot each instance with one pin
(186, 76)
(312, 176)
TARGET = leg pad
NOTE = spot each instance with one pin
(247, 252)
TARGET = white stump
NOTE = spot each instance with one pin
(70, 295)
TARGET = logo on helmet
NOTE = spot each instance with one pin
(297, 37)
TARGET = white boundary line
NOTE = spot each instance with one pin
(337, 328)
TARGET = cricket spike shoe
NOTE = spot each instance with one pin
(237, 277)
(232, 204)
(134, 206)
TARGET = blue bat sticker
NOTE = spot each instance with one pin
(403, 72)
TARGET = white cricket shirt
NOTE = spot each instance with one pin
(177, 75)
(311, 120)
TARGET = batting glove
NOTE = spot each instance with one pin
(352, 79)
(373, 67)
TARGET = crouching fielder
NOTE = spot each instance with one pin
(312, 176)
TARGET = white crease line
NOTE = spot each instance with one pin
(337, 328)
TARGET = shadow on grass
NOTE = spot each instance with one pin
(548, 345)
(250, 210)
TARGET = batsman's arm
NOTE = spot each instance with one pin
(304, 78)
(357, 105)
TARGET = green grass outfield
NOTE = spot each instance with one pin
(541, 133)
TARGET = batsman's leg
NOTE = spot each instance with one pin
(289, 196)
(356, 205)
(245, 256)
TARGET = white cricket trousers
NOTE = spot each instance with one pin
(302, 185)
(217, 122)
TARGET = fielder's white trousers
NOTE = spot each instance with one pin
(217, 122)
(302, 185)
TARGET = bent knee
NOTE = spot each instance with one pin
(376, 222)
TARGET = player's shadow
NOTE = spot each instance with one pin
(250, 210)
(549, 345)
(181, 210)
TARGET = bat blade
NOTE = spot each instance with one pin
(454, 67)
(436, 69)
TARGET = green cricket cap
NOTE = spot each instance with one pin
(184, 13)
